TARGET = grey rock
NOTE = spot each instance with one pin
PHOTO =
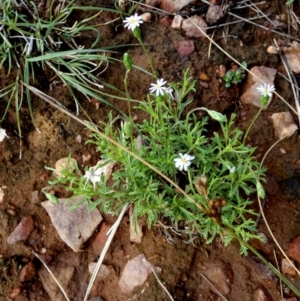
(73, 226)
(135, 273)
(22, 231)
(251, 95)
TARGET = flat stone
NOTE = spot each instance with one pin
(177, 22)
(103, 272)
(216, 273)
(63, 274)
(251, 95)
(284, 124)
(73, 226)
(214, 14)
(185, 48)
(22, 231)
(294, 249)
(191, 27)
(292, 54)
(134, 274)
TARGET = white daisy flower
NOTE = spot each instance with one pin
(133, 22)
(232, 169)
(266, 90)
(94, 173)
(3, 134)
(183, 161)
(158, 88)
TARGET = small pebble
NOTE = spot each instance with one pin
(22, 231)
(15, 292)
(2, 195)
(146, 17)
(177, 22)
(78, 139)
(272, 49)
(86, 157)
(204, 77)
(35, 197)
(261, 295)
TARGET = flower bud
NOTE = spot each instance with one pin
(215, 115)
(137, 33)
(264, 99)
(127, 61)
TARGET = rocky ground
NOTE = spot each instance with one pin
(189, 268)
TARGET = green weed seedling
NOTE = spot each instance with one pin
(215, 171)
(234, 76)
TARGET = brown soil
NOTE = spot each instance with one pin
(180, 262)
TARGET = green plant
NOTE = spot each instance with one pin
(32, 41)
(234, 76)
(221, 174)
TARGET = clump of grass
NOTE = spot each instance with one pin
(216, 175)
(31, 42)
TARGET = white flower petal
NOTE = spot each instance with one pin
(2, 134)
(158, 88)
(133, 22)
(266, 89)
(183, 162)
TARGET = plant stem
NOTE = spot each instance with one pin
(252, 122)
(268, 264)
(148, 57)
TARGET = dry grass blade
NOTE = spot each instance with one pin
(280, 281)
(263, 214)
(54, 278)
(213, 286)
(112, 233)
(264, 27)
(161, 284)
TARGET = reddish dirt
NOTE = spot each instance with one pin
(180, 262)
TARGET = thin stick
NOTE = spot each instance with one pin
(104, 251)
(49, 271)
(231, 22)
(264, 27)
(213, 286)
